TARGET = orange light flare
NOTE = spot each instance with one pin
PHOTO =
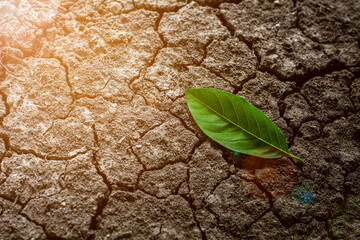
(268, 179)
(22, 23)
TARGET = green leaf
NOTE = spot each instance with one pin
(236, 124)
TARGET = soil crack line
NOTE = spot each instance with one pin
(49, 237)
(67, 79)
(102, 203)
(7, 107)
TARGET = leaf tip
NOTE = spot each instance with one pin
(297, 158)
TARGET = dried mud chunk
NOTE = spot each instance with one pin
(160, 5)
(231, 59)
(264, 92)
(330, 21)
(192, 27)
(255, 21)
(320, 161)
(282, 48)
(151, 95)
(268, 227)
(174, 82)
(198, 77)
(120, 166)
(183, 190)
(82, 178)
(164, 182)
(168, 143)
(310, 130)
(342, 138)
(31, 177)
(117, 7)
(290, 54)
(115, 138)
(114, 156)
(39, 82)
(327, 159)
(40, 13)
(127, 124)
(209, 225)
(175, 57)
(346, 221)
(26, 119)
(91, 78)
(65, 215)
(206, 169)
(296, 109)
(289, 212)
(90, 111)
(85, 10)
(230, 202)
(317, 168)
(142, 216)
(297, 213)
(140, 119)
(352, 183)
(117, 91)
(63, 139)
(327, 202)
(165, 78)
(23, 22)
(355, 93)
(346, 54)
(15, 226)
(329, 95)
(109, 53)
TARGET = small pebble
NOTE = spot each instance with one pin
(347, 20)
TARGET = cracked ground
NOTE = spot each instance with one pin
(96, 140)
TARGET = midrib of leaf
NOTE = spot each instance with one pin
(287, 153)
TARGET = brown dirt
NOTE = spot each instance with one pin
(96, 141)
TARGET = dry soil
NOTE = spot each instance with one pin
(96, 140)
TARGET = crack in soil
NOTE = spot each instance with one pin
(7, 107)
(102, 203)
(259, 217)
(193, 209)
(67, 79)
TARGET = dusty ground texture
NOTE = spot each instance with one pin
(96, 141)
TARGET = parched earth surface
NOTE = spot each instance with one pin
(97, 142)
